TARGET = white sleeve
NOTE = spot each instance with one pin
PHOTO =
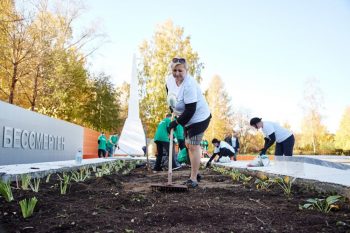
(268, 129)
(216, 150)
(231, 148)
(190, 93)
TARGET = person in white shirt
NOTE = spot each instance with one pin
(234, 142)
(273, 132)
(193, 113)
(223, 149)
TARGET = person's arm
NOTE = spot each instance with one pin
(186, 116)
(268, 142)
(211, 159)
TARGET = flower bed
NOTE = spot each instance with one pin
(225, 201)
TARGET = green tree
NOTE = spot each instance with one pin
(168, 42)
(7, 11)
(66, 88)
(342, 137)
(102, 109)
(40, 48)
(123, 92)
(220, 108)
(19, 47)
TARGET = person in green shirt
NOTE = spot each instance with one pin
(161, 138)
(204, 144)
(111, 144)
(115, 139)
(179, 134)
(102, 145)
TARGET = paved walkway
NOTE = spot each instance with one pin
(42, 169)
(311, 169)
(300, 170)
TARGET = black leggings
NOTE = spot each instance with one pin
(101, 153)
(161, 146)
(285, 147)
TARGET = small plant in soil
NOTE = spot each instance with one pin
(27, 206)
(235, 174)
(80, 176)
(64, 182)
(48, 178)
(104, 170)
(138, 198)
(25, 181)
(110, 167)
(263, 184)
(221, 170)
(285, 184)
(322, 205)
(35, 185)
(6, 191)
(119, 165)
(129, 231)
(245, 179)
(129, 167)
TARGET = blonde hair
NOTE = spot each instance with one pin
(174, 64)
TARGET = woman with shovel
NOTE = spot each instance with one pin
(193, 113)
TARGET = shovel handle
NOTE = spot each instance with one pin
(170, 166)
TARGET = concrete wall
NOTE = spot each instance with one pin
(28, 137)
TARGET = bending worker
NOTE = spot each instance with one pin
(273, 132)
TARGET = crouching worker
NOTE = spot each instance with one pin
(223, 149)
(162, 141)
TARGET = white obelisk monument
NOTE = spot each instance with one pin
(132, 138)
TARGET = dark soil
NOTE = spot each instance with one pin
(125, 203)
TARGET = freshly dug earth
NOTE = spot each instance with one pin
(125, 203)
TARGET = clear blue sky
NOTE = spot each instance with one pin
(263, 50)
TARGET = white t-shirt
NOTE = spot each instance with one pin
(233, 140)
(173, 88)
(190, 92)
(272, 127)
(223, 144)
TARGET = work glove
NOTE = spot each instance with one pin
(172, 125)
(262, 151)
(207, 165)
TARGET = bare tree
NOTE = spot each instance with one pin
(313, 130)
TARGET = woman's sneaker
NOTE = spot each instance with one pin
(191, 184)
